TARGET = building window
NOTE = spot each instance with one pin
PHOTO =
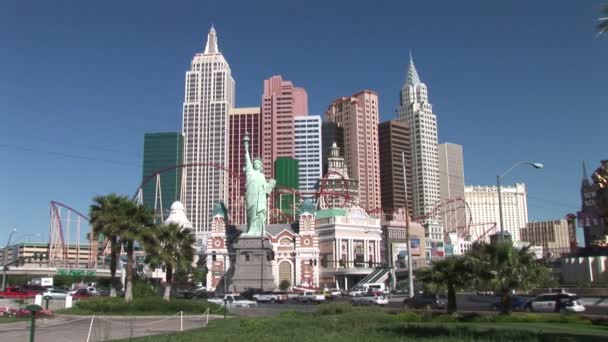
(285, 272)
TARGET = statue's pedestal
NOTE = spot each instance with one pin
(253, 266)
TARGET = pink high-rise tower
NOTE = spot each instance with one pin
(358, 114)
(281, 102)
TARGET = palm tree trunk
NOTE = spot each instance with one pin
(506, 301)
(168, 281)
(129, 288)
(452, 299)
(113, 260)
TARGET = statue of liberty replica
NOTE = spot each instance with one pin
(253, 267)
(256, 194)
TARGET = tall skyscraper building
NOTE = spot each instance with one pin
(242, 121)
(415, 109)
(308, 151)
(451, 184)
(554, 236)
(483, 202)
(395, 150)
(209, 95)
(331, 133)
(286, 173)
(162, 150)
(589, 217)
(358, 114)
(281, 102)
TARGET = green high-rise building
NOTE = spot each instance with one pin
(161, 151)
(287, 175)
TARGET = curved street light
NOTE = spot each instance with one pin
(4, 258)
(498, 178)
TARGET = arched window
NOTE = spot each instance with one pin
(285, 241)
(285, 272)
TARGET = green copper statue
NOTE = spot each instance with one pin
(256, 195)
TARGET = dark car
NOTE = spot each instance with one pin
(200, 294)
(425, 301)
(248, 293)
(517, 304)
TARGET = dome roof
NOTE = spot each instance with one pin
(178, 216)
(177, 205)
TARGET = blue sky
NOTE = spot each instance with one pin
(82, 81)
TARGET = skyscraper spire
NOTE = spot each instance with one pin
(585, 174)
(412, 75)
(211, 47)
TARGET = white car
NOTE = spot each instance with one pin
(54, 294)
(310, 297)
(93, 291)
(234, 301)
(377, 298)
(555, 302)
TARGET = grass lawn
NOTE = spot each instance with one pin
(349, 325)
(12, 319)
(145, 306)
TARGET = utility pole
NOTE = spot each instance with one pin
(4, 256)
(410, 272)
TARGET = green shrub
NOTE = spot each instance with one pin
(409, 316)
(444, 318)
(292, 314)
(140, 306)
(540, 318)
(334, 309)
(143, 289)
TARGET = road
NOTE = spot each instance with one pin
(465, 302)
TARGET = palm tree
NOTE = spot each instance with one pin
(105, 219)
(136, 227)
(173, 247)
(450, 274)
(602, 27)
(505, 268)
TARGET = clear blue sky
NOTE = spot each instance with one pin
(82, 81)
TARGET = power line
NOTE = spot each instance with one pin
(68, 155)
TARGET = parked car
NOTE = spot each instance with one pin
(363, 289)
(425, 301)
(310, 297)
(89, 289)
(81, 294)
(555, 302)
(375, 298)
(517, 304)
(271, 297)
(37, 288)
(15, 292)
(248, 293)
(200, 294)
(103, 292)
(55, 294)
(234, 300)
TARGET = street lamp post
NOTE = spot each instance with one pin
(410, 271)
(4, 259)
(498, 179)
